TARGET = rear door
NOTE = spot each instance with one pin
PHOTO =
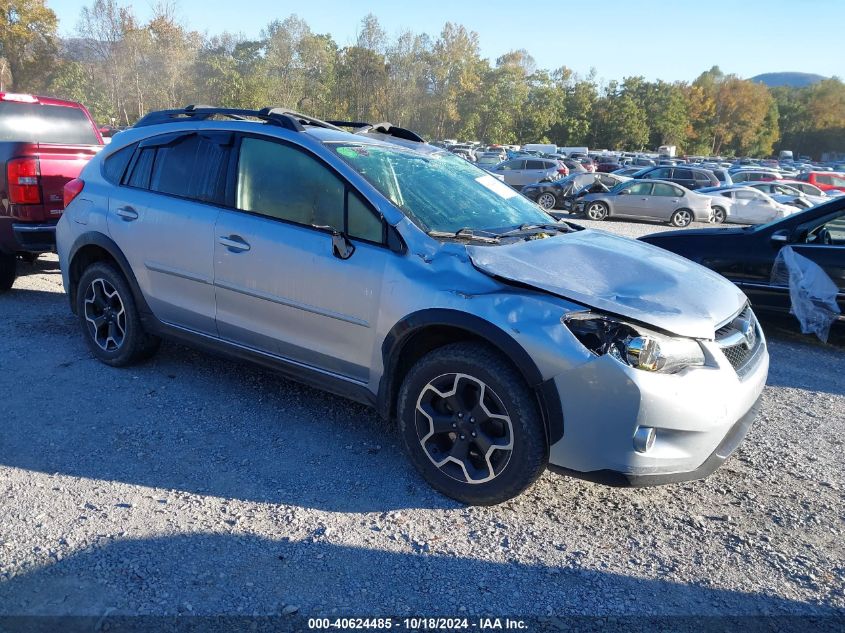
(534, 171)
(665, 199)
(163, 218)
(281, 287)
(684, 177)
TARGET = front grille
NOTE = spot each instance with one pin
(741, 341)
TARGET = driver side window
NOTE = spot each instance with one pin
(831, 232)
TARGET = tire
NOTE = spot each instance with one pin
(719, 215)
(596, 210)
(547, 200)
(681, 218)
(109, 317)
(445, 386)
(8, 271)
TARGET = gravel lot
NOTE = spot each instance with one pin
(193, 485)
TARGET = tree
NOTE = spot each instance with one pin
(28, 44)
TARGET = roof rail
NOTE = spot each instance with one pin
(380, 128)
(282, 117)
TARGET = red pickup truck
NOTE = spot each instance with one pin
(44, 143)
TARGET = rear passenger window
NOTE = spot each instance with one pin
(282, 182)
(683, 174)
(115, 165)
(192, 167)
(662, 189)
(536, 164)
(140, 176)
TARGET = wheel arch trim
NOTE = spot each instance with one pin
(404, 330)
(93, 238)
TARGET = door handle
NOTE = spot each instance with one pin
(127, 213)
(235, 243)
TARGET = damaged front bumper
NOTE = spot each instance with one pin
(698, 418)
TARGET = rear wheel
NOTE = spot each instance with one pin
(8, 271)
(719, 215)
(681, 218)
(596, 210)
(471, 425)
(109, 317)
(547, 200)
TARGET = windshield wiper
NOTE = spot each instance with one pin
(467, 233)
(528, 228)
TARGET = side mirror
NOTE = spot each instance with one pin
(780, 237)
(342, 248)
(624, 192)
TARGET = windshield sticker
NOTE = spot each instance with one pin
(352, 152)
(496, 186)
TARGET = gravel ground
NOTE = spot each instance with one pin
(193, 485)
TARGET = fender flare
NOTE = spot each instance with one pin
(94, 238)
(402, 331)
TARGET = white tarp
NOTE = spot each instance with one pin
(811, 292)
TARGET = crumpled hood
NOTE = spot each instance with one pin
(618, 275)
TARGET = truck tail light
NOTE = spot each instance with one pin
(71, 190)
(24, 178)
(20, 98)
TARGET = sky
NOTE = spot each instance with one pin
(668, 39)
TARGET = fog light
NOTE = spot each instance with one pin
(644, 439)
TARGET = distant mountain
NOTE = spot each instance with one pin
(792, 80)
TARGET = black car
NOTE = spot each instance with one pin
(560, 193)
(747, 255)
(689, 177)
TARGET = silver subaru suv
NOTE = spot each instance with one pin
(363, 261)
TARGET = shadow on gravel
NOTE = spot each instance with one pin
(792, 353)
(210, 574)
(192, 422)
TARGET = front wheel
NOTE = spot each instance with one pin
(718, 216)
(8, 271)
(681, 218)
(471, 425)
(596, 210)
(547, 200)
(109, 318)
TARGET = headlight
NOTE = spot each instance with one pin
(634, 345)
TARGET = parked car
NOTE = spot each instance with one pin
(431, 291)
(574, 166)
(746, 256)
(739, 204)
(488, 160)
(807, 188)
(786, 193)
(519, 172)
(754, 175)
(826, 181)
(627, 171)
(44, 143)
(688, 177)
(608, 167)
(647, 200)
(561, 193)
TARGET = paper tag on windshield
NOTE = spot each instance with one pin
(496, 186)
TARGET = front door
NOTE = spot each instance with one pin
(634, 200)
(281, 287)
